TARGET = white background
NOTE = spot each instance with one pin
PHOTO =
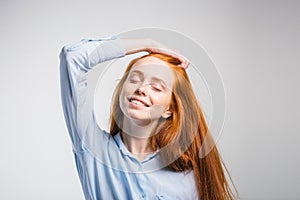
(255, 45)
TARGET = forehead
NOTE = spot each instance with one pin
(154, 68)
(150, 60)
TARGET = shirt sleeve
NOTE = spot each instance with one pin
(76, 61)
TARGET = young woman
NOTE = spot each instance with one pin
(155, 146)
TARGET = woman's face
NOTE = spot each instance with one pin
(147, 91)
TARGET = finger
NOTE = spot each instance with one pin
(183, 61)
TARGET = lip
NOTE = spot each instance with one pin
(130, 98)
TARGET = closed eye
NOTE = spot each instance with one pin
(157, 87)
(134, 79)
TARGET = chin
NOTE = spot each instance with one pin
(137, 118)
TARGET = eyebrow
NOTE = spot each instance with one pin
(159, 80)
(137, 71)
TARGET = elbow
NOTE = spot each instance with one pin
(73, 60)
(66, 57)
(63, 54)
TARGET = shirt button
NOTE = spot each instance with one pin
(144, 196)
(140, 168)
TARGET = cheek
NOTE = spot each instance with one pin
(128, 89)
(163, 100)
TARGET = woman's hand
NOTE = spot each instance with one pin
(135, 45)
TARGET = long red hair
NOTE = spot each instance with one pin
(181, 136)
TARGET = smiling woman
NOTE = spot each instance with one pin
(157, 131)
(147, 86)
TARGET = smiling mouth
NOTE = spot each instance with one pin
(137, 102)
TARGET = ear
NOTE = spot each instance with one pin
(167, 113)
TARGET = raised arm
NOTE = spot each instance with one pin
(76, 61)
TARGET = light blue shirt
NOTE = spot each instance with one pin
(106, 168)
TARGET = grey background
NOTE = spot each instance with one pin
(255, 45)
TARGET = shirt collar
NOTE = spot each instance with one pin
(126, 152)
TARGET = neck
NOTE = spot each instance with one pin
(136, 138)
(139, 147)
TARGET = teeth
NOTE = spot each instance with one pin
(137, 102)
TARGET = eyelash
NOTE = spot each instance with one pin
(154, 86)
(134, 80)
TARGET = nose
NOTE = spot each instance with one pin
(142, 90)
